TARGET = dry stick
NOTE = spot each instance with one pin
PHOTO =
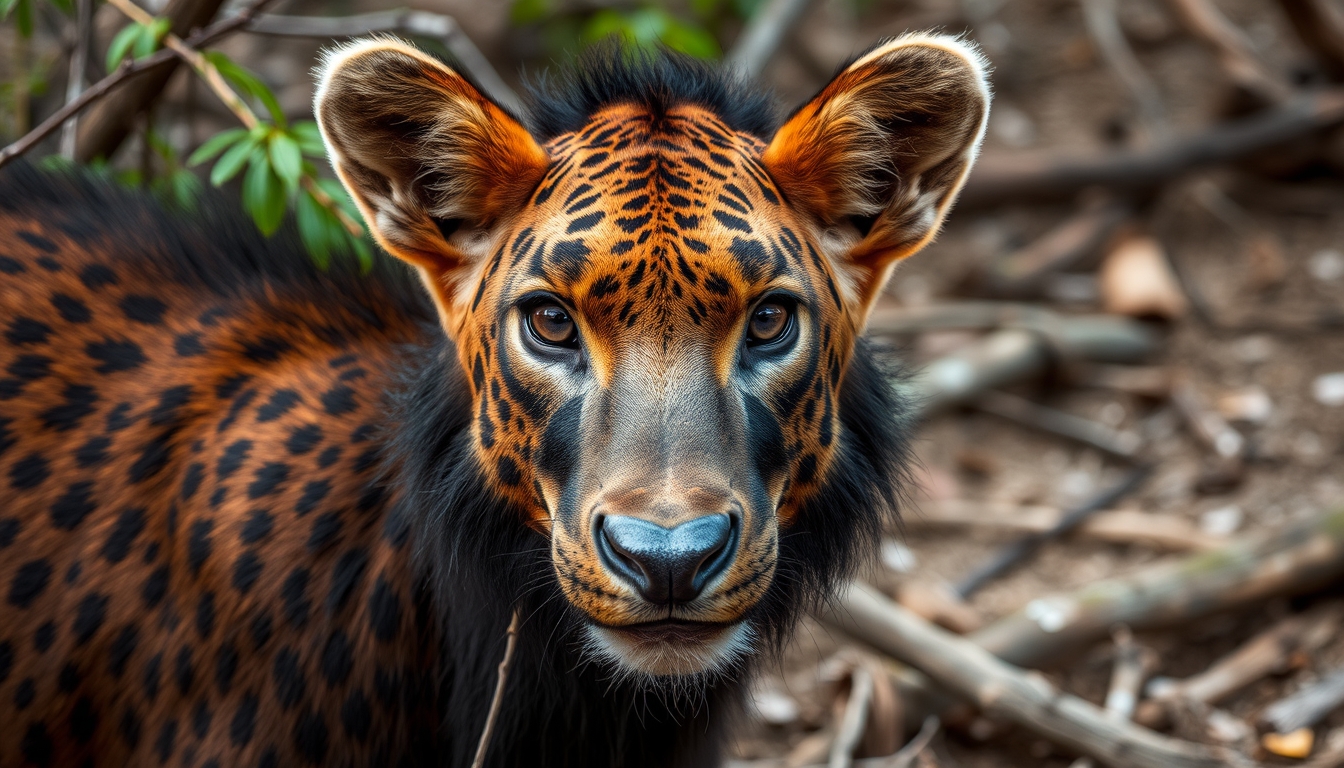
(1120, 445)
(1027, 699)
(907, 754)
(1269, 652)
(1235, 55)
(763, 34)
(1013, 554)
(78, 57)
(484, 744)
(1205, 422)
(124, 72)
(1118, 526)
(437, 26)
(1032, 176)
(1133, 664)
(853, 720)
(1104, 27)
(1022, 273)
(1307, 706)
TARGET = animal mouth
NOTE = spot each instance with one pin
(671, 648)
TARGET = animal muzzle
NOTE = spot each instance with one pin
(667, 566)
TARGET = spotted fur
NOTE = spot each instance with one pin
(253, 513)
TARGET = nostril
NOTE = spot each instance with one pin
(667, 564)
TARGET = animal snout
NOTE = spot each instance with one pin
(667, 565)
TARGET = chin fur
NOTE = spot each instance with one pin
(657, 661)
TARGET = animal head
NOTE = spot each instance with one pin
(656, 300)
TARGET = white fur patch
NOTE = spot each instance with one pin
(655, 662)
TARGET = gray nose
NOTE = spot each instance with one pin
(666, 565)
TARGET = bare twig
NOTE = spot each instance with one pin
(1119, 526)
(1235, 55)
(763, 34)
(79, 56)
(1013, 554)
(436, 26)
(1133, 664)
(852, 723)
(1104, 28)
(483, 745)
(1021, 274)
(1205, 421)
(1026, 699)
(1023, 177)
(1121, 445)
(907, 754)
(1307, 706)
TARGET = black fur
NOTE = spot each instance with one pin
(610, 74)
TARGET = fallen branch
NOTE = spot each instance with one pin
(1028, 700)
(763, 34)
(855, 717)
(1022, 274)
(1012, 555)
(483, 746)
(1104, 27)
(1119, 526)
(1238, 61)
(436, 26)
(1120, 445)
(1024, 177)
(1307, 706)
(1133, 664)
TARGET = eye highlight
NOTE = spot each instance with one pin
(768, 322)
(551, 324)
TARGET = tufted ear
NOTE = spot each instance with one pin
(433, 164)
(879, 155)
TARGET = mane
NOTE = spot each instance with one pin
(610, 74)
(213, 247)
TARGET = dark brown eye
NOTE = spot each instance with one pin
(551, 324)
(768, 322)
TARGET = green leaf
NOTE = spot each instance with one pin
(185, 188)
(232, 162)
(149, 38)
(121, 45)
(215, 144)
(362, 251)
(309, 137)
(263, 193)
(286, 159)
(64, 6)
(690, 39)
(528, 11)
(314, 229)
(23, 17)
(248, 83)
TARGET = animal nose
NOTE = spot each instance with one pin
(667, 565)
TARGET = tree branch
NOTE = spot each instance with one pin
(763, 34)
(483, 746)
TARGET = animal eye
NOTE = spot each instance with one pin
(768, 322)
(551, 324)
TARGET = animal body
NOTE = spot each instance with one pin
(254, 513)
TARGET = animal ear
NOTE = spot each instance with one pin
(431, 161)
(878, 156)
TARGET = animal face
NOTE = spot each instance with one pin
(657, 307)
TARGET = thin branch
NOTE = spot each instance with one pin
(484, 745)
(1104, 28)
(1235, 54)
(763, 34)
(1121, 445)
(78, 58)
(855, 717)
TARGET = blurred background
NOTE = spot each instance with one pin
(1128, 343)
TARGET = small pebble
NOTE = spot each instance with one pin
(1223, 521)
(897, 556)
(1326, 265)
(1328, 389)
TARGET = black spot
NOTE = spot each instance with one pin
(337, 659)
(326, 528)
(24, 693)
(363, 432)
(369, 459)
(200, 720)
(226, 664)
(183, 671)
(6, 659)
(93, 452)
(188, 345)
(244, 721)
(199, 545)
(119, 417)
(205, 615)
(279, 404)
(191, 480)
(152, 459)
(585, 223)
(310, 737)
(115, 356)
(89, 617)
(79, 402)
(163, 745)
(294, 594)
(44, 637)
(509, 473)
(289, 679)
(570, 257)
(751, 256)
(30, 580)
(357, 715)
(130, 524)
(155, 588)
(268, 479)
(26, 330)
(152, 676)
(37, 241)
(73, 573)
(96, 276)
(353, 374)
(261, 629)
(266, 349)
(328, 456)
(269, 759)
(29, 472)
(246, 571)
(143, 309)
(232, 459)
(9, 531)
(69, 678)
(30, 367)
(11, 266)
(171, 402)
(345, 578)
(303, 439)
(240, 402)
(83, 720)
(130, 727)
(338, 400)
(313, 494)
(226, 389)
(36, 745)
(151, 552)
(384, 611)
(119, 652)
